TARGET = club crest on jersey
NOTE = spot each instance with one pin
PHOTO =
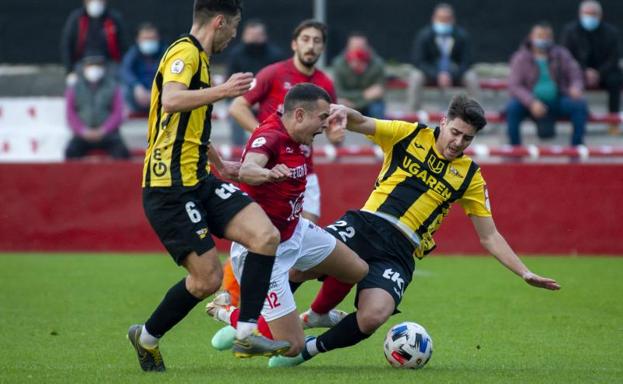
(434, 164)
(287, 85)
(258, 142)
(177, 66)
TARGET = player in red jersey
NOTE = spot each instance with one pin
(271, 85)
(273, 173)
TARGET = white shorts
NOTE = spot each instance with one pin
(311, 199)
(308, 247)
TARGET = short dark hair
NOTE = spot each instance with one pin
(146, 26)
(468, 110)
(310, 23)
(304, 95)
(252, 23)
(204, 10)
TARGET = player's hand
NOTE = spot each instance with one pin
(92, 135)
(336, 124)
(575, 93)
(540, 282)
(238, 84)
(278, 173)
(230, 169)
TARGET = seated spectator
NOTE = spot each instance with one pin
(442, 56)
(92, 30)
(139, 67)
(253, 53)
(596, 45)
(359, 75)
(94, 107)
(545, 83)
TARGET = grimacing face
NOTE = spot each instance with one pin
(454, 137)
(312, 123)
(308, 46)
(225, 33)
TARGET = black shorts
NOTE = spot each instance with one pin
(185, 218)
(387, 251)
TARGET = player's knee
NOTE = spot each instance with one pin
(360, 270)
(371, 319)
(205, 286)
(265, 240)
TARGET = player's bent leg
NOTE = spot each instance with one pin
(375, 306)
(205, 273)
(252, 228)
(343, 264)
(310, 216)
(289, 328)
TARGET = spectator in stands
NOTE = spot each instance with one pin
(545, 83)
(442, 56)
(92, 30)
(94, 107)
(253, 53)
(596, 45)
(359, 75)
(139, 67)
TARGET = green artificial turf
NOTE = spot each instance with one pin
(64, 319)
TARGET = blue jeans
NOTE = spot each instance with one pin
(564, 106)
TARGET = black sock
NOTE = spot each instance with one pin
(294, 285)
(254, 285)
(344, 334)
(172, 309)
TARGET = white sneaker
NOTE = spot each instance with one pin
(220, 307)
(311, 319)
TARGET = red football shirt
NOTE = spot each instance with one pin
(273, 82)
(282, 201)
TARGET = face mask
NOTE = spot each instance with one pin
(442, 28)
(590, 23)
(95, 8)
(542, 44)
(93, 73)
(148, 47)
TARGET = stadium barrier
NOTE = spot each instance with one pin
(549, 208)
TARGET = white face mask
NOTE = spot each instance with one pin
(95, 8)
(148, 47)
(94, 73)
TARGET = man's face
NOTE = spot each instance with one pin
(454, 137)
(589, 9)
(225, 32)
(308, 46)
(311, 123)
(255, 34)
(444, 16)
(147, 35)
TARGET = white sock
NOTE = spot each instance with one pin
(244, 329)
(311, 347)
(147, 340)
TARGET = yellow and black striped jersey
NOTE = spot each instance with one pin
(178, 142)
(416, 184)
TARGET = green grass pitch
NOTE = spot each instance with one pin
(64, 320)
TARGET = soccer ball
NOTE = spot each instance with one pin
(408, 345)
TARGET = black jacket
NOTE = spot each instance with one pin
(599, 49)
(425, 53)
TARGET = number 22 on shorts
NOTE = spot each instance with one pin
(345, 234)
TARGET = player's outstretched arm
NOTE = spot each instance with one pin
(227, 169)
(176, 97)
(495, 243)
(240, 110)
(253, 171)
(348, 118)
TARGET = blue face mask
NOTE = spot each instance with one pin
(542, 44)
(590, 23)
(149, 47)
(442, 28)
